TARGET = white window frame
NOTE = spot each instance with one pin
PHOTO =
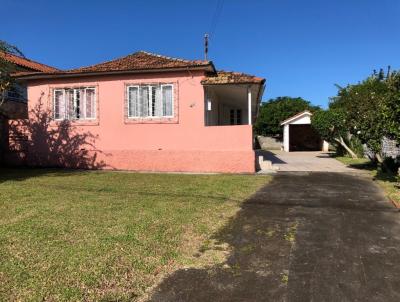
(172, 99)
(54, 104)
(82, 104)
(94, 104)
(150, 108)
(129, 103)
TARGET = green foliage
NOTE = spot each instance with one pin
(330, 124)
(353, 143)
(356, 145)
(372, 108)
(274, 111)
(6, 81)
(391, 107)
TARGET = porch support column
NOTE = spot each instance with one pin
(249, 105)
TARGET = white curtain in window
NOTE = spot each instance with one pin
(90, 103)
(158, 101)
(59, 104)
(150, 101)
(69, 99)
(133, 102)
(167, 100)
(144, 101)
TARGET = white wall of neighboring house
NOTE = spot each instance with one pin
(286, 137)
(302, 119)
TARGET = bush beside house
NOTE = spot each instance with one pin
(367, 114)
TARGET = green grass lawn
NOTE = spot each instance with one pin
(68, 235)
(389, 182)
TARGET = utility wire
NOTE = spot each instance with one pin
(216, 16)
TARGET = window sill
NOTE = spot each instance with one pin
(151, 120)
(94, 122)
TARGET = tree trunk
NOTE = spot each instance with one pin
(378, 158)
(344, 145)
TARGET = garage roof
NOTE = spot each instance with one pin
(296, 117)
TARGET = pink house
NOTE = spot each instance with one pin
(142, 112)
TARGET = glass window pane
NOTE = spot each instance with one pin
(133, 103)
(238, 117)
(144, 101)
(90, 104)
(167, 101)
(59, 104)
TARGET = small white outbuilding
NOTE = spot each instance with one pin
(298, 135)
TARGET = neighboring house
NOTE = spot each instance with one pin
(145, 112)
(298, 135)
(15, 104)
(16, 97)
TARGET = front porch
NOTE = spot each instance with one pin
(232, 99)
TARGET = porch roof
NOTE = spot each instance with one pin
(229, 77)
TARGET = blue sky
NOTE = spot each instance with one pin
(302, 47)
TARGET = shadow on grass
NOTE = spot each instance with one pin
(23, 173)
(283, 241)
(256, 252)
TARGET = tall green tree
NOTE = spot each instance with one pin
(274, 111)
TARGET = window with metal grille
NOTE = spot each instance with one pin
(146, 101)
(74, 103)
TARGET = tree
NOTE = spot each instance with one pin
(391, 106)
(372, 109)
(331, 126)
(274, 111)
(363, 104)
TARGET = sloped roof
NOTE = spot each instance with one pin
(139, 61)
(27, 63)
(296, 116)
(230, 77)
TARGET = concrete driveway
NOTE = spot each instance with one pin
(306, 236)
(304, 161)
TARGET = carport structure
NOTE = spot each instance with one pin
(298, 135)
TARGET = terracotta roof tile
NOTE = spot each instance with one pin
(230, 77)
(29, 64)
(140, 61)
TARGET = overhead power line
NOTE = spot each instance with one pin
(215, 18)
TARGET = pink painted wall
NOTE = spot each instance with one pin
(180, 144)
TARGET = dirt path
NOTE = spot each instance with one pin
(303, 237)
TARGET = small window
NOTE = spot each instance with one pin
(74, 104)
(146, 101)
(235, 116)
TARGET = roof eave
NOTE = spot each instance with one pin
(36, 76)
(296, 116)
(235, 83)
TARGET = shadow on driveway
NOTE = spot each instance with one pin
(303, 237)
